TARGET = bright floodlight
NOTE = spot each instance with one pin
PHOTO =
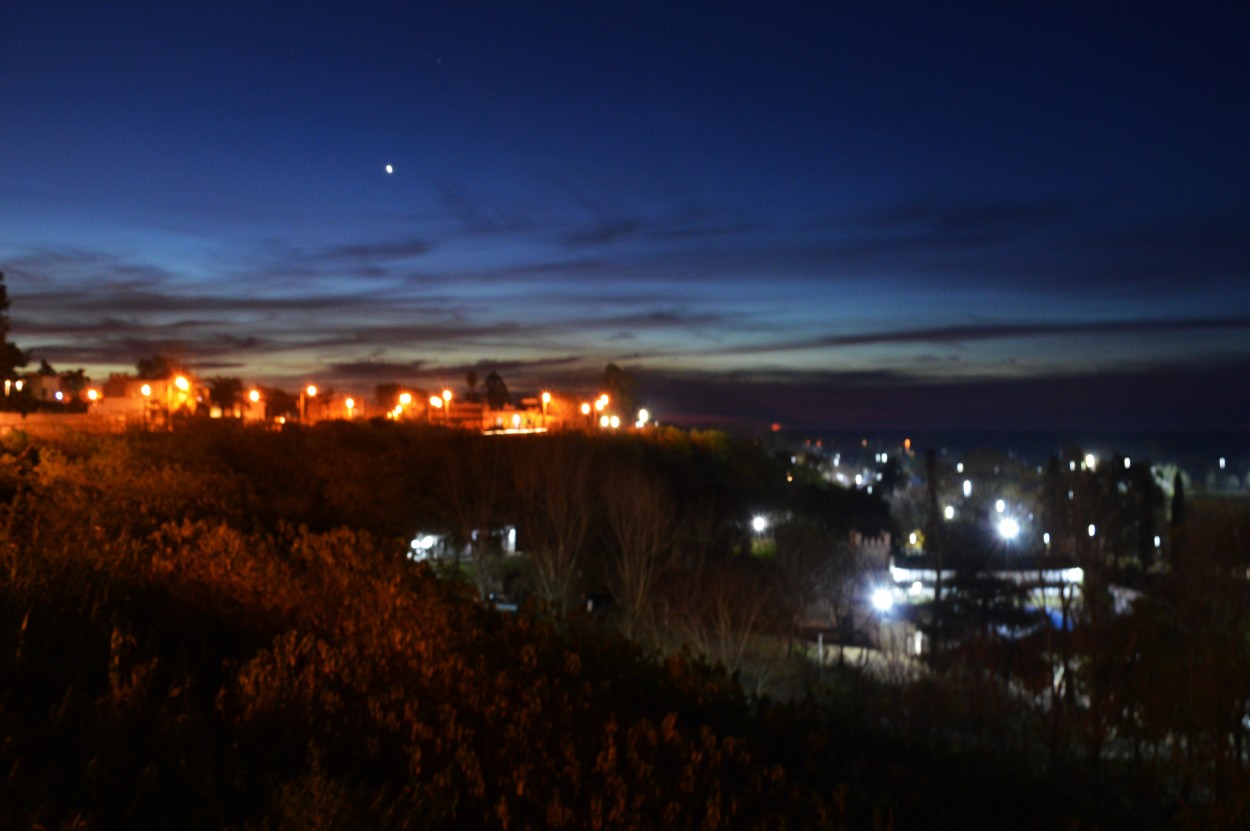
(1092, 529)
(883, 600)
(760, 524)
(967, 488)
(1000, 506)
(949, 513)
(1008, 528)
(1128, 463)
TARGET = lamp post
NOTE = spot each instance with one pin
(306, 393)
(546, 400)
(447, 407)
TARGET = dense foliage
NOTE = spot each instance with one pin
(219, 628)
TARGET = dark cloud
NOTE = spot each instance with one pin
(1000, 331)
(373, 252)
(978, 221)
(1157, 397)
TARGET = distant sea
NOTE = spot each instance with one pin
(1196, 452)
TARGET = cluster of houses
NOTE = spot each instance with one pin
(125, 400)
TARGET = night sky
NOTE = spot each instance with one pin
(866, 215)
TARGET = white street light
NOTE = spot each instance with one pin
(1008, 528)
(882, 600)
(760, 524)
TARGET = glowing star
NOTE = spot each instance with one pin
(389, 169)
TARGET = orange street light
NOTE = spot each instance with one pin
(93, 396)
(182, 383)
(146, 389)
(405, 398)
(350, 404)
(254, 396)
(436, 402)
(307, 392)
(546, 400)
(585, 409)
(447, 396)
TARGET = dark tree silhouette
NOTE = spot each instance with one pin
(157, 367)
(470, 382)
(622, 389)
(387, 395)
(11, 358)
(1177, 528)
(497, 396)
(225, 392)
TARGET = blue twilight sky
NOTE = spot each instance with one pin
(824, 214)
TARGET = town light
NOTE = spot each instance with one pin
(93, 395)
(614, 422)
(254, 396)
(1000, 506)
(604, 421)
(59, 396)
(1046, 538)
(759, 524)
(1090, 460)
(405, 398)
(146, 389)
(600, 404)
(1008, 528)
(1092, 529)
(311, 390)
(949, 513)
(447, 396)
(436, 402)
(585, 409)
(350, 404)
(882, 600)
(546, 398)
(182, 383)
(643, 417)
(967, 488)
